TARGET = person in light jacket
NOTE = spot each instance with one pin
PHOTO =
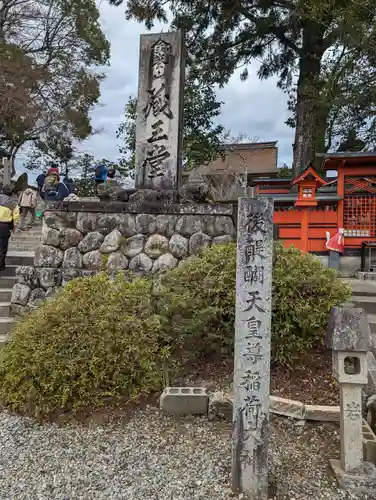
(28, 203)
(9, 218)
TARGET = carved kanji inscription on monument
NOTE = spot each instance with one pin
(159, 105)
(252, 346)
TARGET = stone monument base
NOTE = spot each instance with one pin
(362, 480)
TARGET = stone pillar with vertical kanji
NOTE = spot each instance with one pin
(252, 347)
(159, 112)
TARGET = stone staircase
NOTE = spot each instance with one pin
(20, 253)
(364, 296)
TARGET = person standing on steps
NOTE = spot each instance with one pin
(40, 181)
(9, 218)
(28, 203)
(100, 174)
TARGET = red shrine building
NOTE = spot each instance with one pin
(312, 205)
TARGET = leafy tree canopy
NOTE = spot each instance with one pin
(49, 51)
(284, 35)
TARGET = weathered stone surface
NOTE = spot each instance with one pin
(348, 330)
(72, 259)
(49, 277)
(253, 321)
(223, 240)
(20, 294)
(18, 310)
(37, 296)
(189, 224)
(164, 262)
(126, 224)
(286, 407)
(146, 223)
(69, 238)
(184, 401)
(134, 245)
(68, 275)
(92, 241)
(166, 224)
(50, 236)
(322, 413)
(223, 225)
(165, 175)
(360, 482)
(141, 263)
(111, 190)
(117, 261)
(178, 246)
(93, 260)
(87, 222)
(152, 196)
(221, 406)
(194, 193)
(107, 223)
(112, 242)
(58, 220)
(198, 242)
(48, 256)
(27, 275)
(156, 245)
(50, 292)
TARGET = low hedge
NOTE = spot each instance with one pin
(197, 300)
(101, 339)
(96, 340)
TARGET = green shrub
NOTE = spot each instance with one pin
(97, 339)
(197, 299)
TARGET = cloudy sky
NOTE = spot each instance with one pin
(255, 108)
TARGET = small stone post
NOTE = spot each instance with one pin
(349, 337)
(252, 347)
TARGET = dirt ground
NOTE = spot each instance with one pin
(309, 380)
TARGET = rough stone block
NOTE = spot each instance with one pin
(185, 401)
(286, 407)
(322, 413)
(362, 480)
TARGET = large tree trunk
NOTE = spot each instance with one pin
(307, 106)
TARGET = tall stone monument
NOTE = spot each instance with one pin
(159, 111)
(252, 347)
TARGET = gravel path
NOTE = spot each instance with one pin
(153, 457)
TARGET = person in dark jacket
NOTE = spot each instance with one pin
(9, 218)
(61, 192)
(40, 182)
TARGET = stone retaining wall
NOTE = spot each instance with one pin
(84, 238)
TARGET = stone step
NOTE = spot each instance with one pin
(365, 302)
(5, 294)
(25, 239)
(362, 288)
(7, 282)
(4, 309)
(4, 338)
(6, 325)
(23, 248)
(20, 258)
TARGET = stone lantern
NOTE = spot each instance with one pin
(349, 338)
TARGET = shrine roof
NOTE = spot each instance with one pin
(286, 197)
(309, 172)
(331, 161)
